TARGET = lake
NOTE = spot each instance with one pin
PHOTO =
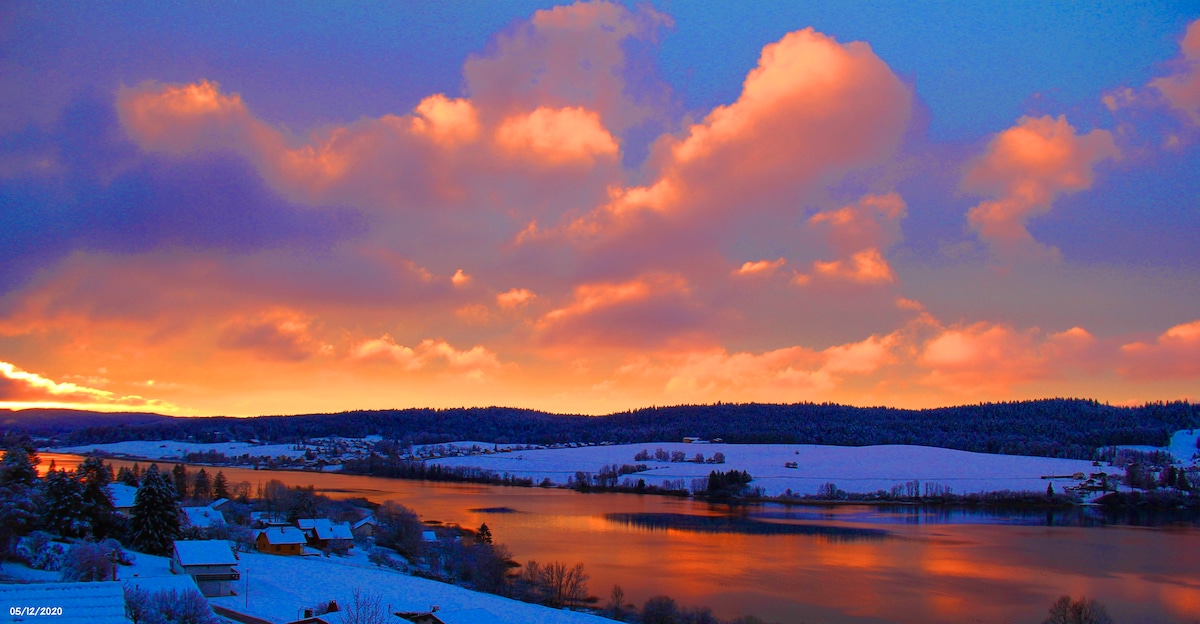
(817, 564)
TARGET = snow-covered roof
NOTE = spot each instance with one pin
(203, 516)
(325, 529)
(429, 536)
(217, 503)
(122, 495)
(204, 552)
(365, 521)
(283, 535)
(95, 603)
(467, 616)
(175, 582)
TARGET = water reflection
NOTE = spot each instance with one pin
(742, 525)
(1084, 516)
(930, 565)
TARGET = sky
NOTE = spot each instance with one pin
(275, 208)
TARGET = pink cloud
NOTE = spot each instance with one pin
(1175, 354)
(569, 56)
(1024, 169)
(1181, 88)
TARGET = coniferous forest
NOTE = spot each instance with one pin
(1068, 428)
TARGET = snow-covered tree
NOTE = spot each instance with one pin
(18, 466)
(154, 523)
(63, 505)
(19, 505)
(97, 502)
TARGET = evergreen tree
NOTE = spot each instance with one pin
(154, 522)
(97, 502)
(19, 505)
(181, 481)
(202, 487)
(220, 486)
(18, 466)
(126, 476)
(63, 500)
(484, 536)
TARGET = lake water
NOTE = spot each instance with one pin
(817, 564)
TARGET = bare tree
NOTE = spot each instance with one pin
(1082, 611)
(364, 608)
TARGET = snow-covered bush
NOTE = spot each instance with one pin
(37, 550)
(167, 607)
(85, 562)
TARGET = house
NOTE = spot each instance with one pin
(122, 497)
(209, 562)
(466, 616)
(280, 540)
(322, 532)
(178, 583)
(428, 536)
(100, 602)
(202, 517)
(365, 527)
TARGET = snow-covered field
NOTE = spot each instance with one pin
(282, 587)
(853, 469)
(167, 449)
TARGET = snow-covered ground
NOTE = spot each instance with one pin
(853, 469)
(167, 449)
(1182, 446)
(281, 587)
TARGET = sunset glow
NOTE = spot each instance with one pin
(594, 207)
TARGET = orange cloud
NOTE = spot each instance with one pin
(20, 389)
(1174, 355)
(514, 298)
(761, 267)
(788, 374)
(448, 122)
(651, 309)
(812, 110)
(277, 335)
(566, 136)
(1024, 169)
(857, 233)
(995, 357)
(1182, 87)
(476, 358)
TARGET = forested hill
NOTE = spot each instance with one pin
(1053, 427)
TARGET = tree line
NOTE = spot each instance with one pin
(1068, 428)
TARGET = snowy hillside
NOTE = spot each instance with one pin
(853, 469)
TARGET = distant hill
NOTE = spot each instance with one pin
(58, 421)
(1073, 428)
